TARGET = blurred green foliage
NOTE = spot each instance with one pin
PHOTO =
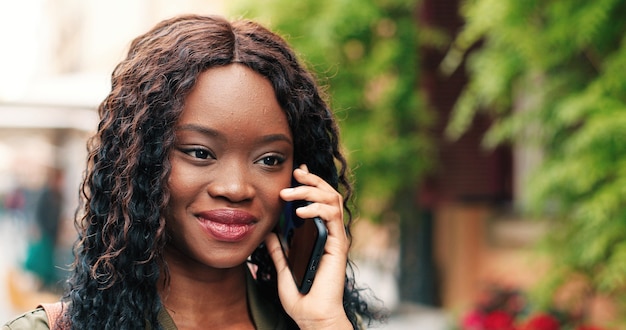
(552, 74)
(365, 53)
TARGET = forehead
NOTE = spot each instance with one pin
(234, 98)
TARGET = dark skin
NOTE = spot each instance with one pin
(231, 171)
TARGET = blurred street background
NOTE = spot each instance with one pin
(486, 138)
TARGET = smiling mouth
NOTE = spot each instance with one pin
(227, 225)
(232, 232)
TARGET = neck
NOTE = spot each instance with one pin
(196, 298)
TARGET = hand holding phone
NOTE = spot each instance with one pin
(303, 243)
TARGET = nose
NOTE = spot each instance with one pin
(231, 181)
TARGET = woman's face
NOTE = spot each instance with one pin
(232, 156)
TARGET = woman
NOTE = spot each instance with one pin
(188, 173)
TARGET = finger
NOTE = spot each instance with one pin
(326, 202)
(313, 195)
(307, 181)
(332, 216)
(286, 283)
(276, 253)
(303, 176)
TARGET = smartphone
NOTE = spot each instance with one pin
(303, 243)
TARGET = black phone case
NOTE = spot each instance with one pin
(303, 265)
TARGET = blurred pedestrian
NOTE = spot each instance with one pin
(40, 257)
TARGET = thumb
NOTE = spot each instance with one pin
(287, 289)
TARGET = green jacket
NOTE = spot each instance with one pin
(266, 316)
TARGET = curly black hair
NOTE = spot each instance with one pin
(119, 251)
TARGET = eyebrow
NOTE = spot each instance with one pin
(214, 133)
(197, 128)
(276, 137)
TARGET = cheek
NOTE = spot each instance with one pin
(272, 198)
(175, 190)
(182, 189)
(180, 195)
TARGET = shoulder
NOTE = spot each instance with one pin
(32, 320)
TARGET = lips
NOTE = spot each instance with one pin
(228, 225)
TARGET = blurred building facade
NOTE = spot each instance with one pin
(472, 199)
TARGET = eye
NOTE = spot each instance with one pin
(199, 153)
(271, 160)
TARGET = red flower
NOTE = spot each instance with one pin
(473, 321)
(542, 322)
(499, 320)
